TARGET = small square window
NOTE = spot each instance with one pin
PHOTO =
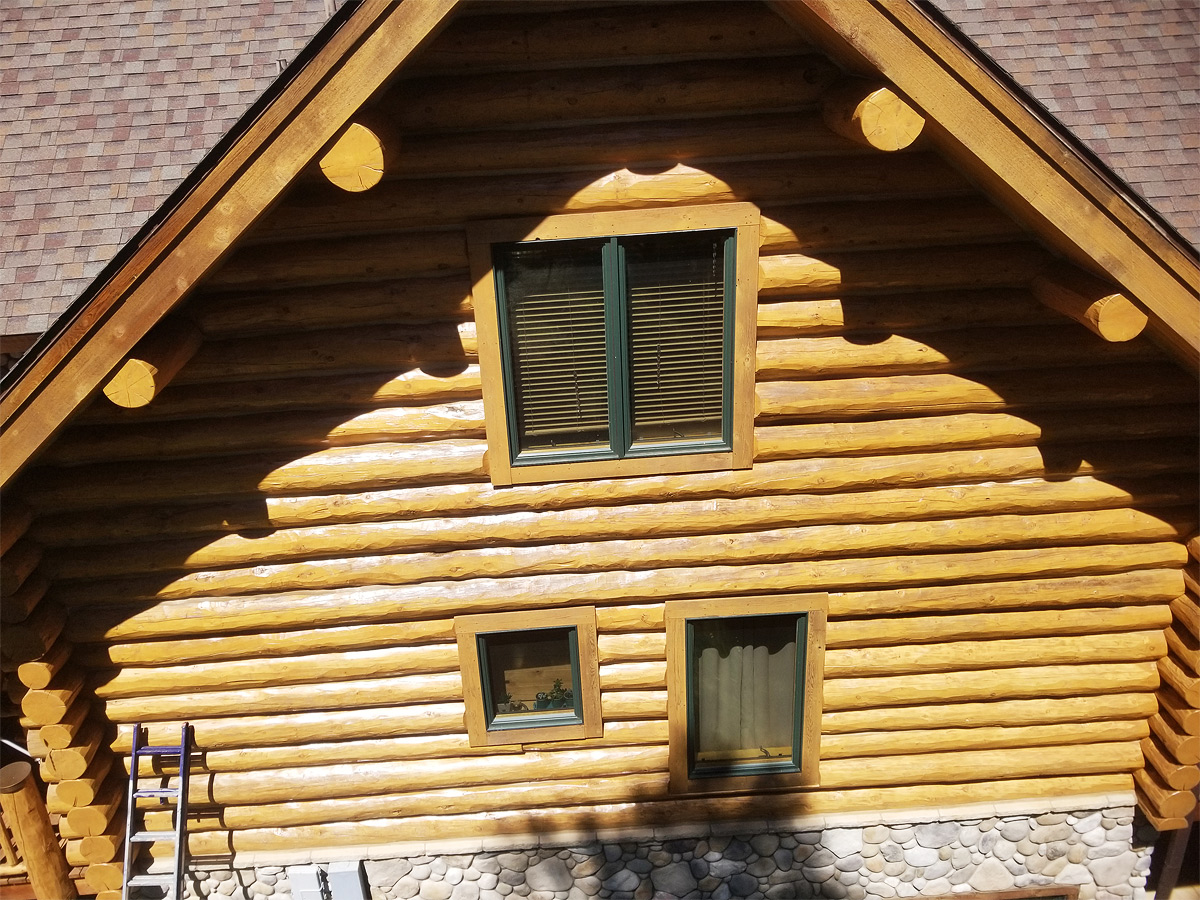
(617, 343)
(530, 676)
(744, 679)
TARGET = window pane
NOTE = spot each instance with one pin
(676, 294)
(554, 304)
(743, 692)
(528, 673)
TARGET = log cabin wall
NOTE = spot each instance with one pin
(995, 500)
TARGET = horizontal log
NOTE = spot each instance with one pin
(180, 705)
(958, 656)
(955, 431)
(1183, 747)
(50, 704)
(331, 470)
(1183, 714)
(308, 668)
(287, 756)
(849, 398)
(1173, 774)
(161, 440)
(923, 629)
(14, 524)
(942, 268)
(646, 814)
(648, 144)
(760, 547)
(24, 601)
(394, 776)
(1164, 800)
(270, 308)
(898, 313)
(652, 520)
(1151, 586)
(36, 674)
(268, 612)
(634, 676)
(989, 684)
(975, 350)
(382, 348)
(1024, 762)
(634, 704)
(434, 260)
(34, 637)
(625, 647)
(320, 393)
(425, 203)
(82, 791)
(1185, 682)
(434, 802)
(240, 732)
(64, 733)
(255, 646)
(627, 617)
(525, 39)
(571, 95)
(17, 565)
(933, 740)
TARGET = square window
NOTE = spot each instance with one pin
(617, 343)
(530, 676)
(744, 682)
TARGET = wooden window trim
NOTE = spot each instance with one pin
(744, 217)
(677, 613)
(467, 630)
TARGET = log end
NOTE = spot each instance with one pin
(133, 385)
(888, 123)
(13, 776)
(1117, 319)
(1093, 303)
(355, 162)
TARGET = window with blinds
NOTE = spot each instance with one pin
(617, 347)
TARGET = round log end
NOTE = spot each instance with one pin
(133, 386)
(1117, 319)
(355, 161)
(13, 776)
(888, 123)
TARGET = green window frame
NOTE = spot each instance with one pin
(744, 687)
(619, 349)
(535, 654)
(639, 398)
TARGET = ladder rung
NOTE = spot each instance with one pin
(152, 880)
(165, 751)
(148, 836)
(156, 792)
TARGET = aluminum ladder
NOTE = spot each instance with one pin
(176, 798)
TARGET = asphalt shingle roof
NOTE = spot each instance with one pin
(105, 107)
(1123, 75)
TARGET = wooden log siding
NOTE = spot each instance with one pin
(275, 548)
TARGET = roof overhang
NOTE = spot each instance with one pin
(986, 129)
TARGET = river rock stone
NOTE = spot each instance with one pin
(676, 879)
(465, 890)
(921, 856)
(1113, 870)
(842, 842)
(1014, 830)
(937, 834)
(742, 885)
(435, 890)
(549, 875)
(765, 844)
(624, 880)
(991, 876)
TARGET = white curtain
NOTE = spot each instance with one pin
(745, 701)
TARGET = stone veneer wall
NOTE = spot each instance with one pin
(1095, 849)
